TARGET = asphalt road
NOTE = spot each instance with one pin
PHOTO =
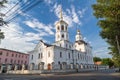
(97, 75)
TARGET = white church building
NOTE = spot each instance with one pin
(62, 54)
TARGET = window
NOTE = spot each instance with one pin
(60, 54)
(12, 55)
(69, 55)
(26, 56)
(39, 56)
(49, 54)
(6, 60)
(1, 53)
(16, 55)
(21, 61)
(66, 45)
(7, 54)
(58, 28)
(62, 35)
(62, 27)
(32, 57)
(58, 62)
(19, 56)
(22, 56)
(69, 46)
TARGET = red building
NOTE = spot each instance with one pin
(12, 58)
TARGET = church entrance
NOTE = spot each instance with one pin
(49, 66)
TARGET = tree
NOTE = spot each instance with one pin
(1, 19)
(108, 14)
(107, 61)
(2, 3)
(96, 59)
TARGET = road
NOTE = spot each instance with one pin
(97, 75)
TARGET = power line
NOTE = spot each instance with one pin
(27, 9)
(15, 12)
(13, 7)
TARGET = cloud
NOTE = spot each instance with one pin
(70, 15)
(75, 16)
(15, 39)
(38, 26)
(15, 36)
(8, 6)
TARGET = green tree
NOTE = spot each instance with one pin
(1, 35)
(96, 59)
(108, 14)
(2, 2)
(107, 61)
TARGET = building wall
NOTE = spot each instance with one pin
(42, 54)
(13, 57)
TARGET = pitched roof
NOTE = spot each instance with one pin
(48, 45)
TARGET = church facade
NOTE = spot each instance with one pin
(62, 54)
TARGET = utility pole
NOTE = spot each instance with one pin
(118, 44)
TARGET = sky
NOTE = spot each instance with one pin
(27, 25)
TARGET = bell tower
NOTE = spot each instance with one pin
(61, 29)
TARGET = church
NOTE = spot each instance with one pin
(62, 54)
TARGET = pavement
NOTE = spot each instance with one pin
(96, 75)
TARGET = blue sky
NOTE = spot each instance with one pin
(29, 27)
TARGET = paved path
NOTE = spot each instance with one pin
(97, 75)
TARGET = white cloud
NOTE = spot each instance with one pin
(75, 16)
(71, 15)
(15, 39)
(8, 7)
(38, 26)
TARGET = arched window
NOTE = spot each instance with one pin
(66, 28)
(78, 55)
(58, 28)
(32, 57)
(62, 35)
(69, 55)
(60, 54)
(66, 45)
(41, 55)
(38, 55)
(69, 46)
(62, 27)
